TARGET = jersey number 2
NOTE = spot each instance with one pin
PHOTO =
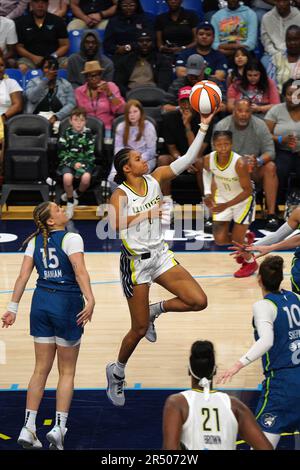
(53, 259)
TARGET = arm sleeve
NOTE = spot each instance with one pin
(72, 243)
(264, 313)
(30, 248)
(151, 140)
(207, 179)
(182, 163)
(252, 31)
(284, 231)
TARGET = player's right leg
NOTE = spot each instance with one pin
(45, 349)
(221, 232)
(115, 372)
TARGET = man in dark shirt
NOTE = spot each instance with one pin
(40, 34)
(216, 61)
(91, 13)
(179, 130)
(143, 67)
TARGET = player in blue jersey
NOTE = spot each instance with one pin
(278, 241)
(277, 333)
(58, 314)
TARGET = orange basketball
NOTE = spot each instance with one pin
(205, 96)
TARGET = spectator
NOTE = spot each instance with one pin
(179, 130)
(76, 153)
(137, 133)
(91, 13)
(283, 122)
(240, 59)
(257, 87)
(216, 61)
(287, 65)
(144, 66)
(11, 102)
(122, 30)
(13, 8)
(49, 95)
(176, 29)
(40, 34)
(99, 98)
(58, 7)
(195, 70)
(8, 41)
(90, 49)
(235, 26)
(274, 25)
(251, 138)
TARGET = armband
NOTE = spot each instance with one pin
(13, 307)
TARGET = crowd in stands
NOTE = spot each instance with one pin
(251, 49)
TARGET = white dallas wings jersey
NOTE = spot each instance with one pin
(211, 424)
(144, 236)
(226, 178)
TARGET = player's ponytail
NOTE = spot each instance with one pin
(271, 273)
(121, 158)
(40, 216)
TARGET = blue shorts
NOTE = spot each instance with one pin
(54, 313)
(295, 275)
(278, 408)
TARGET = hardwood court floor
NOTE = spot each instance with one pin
(226, 322)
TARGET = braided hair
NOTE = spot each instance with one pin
(40, 216)
(120, 160)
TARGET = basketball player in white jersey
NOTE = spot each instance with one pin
(229, 195)
(204, 419)
(145, 257)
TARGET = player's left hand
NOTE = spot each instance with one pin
(219, 208)
(8, 319)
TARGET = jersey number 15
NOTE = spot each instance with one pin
(53, 259)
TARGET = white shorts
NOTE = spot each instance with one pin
(242, 213)
(134, 270)
(56, 340)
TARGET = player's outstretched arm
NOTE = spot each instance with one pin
(164, 173)
(248, 427)
(9, 316)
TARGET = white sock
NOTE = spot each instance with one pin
(250, 260)
(30, 417)
(119, 369)
(157, 309)
(61, 419)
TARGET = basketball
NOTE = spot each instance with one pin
(205, 96)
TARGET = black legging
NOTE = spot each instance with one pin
(286, 163)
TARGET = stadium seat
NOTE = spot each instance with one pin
(150, 6)
(25, 156)
(147, 95)
(16, 74)
(32, 74)
(75, 37)
(62, 73)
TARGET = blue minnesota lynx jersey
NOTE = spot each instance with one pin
(285, 352)
(55, 270)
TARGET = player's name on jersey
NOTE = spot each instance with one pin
(54, 274)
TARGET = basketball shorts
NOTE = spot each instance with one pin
(54, 314)
(242, 213)
(295, 275)
(278, 407)
(135, 270)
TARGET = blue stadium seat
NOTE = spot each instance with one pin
(62, 73)
(75, 40)
(151, 6)
(32, 74)
(16, 74)
(195, 5)
(161, 6)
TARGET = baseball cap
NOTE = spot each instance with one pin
(184, 93)
(195, 64)
(205, 25)
(144, 34)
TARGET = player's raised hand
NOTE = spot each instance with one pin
(8, 319)
(262, 249)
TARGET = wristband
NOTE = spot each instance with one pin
(111, 97)
(203, 127)
(13, 307)
(280, 138)
(260, 162)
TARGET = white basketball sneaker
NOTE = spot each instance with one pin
(56, 438)
(28, 439)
